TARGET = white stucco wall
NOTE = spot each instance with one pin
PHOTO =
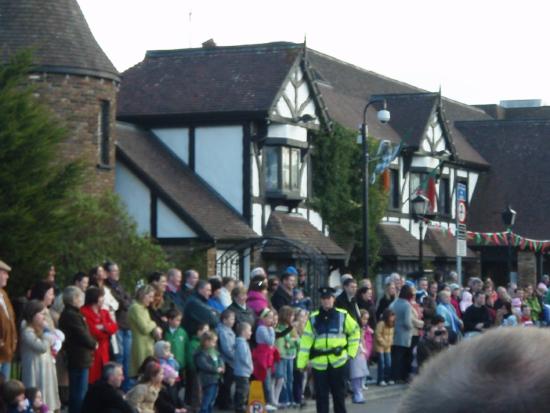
(177, 139)
(219, 161)
(135, 195)
(169, 225)
(257, 218)
(280, 130)
(255, 181)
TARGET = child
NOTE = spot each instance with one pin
(299, 300)
(242, 366)
(34, 396)
(14, 397)
(526, 319)
(192, 386)
(368, 335)
(177, 336)
(383, 338)
(300, 377)
(210, 367)
(227, 352)
(287, 344)
(265, 354)
(358, 365)
(164, 354)
(168, 400)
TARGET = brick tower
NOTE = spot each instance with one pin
(73, 76)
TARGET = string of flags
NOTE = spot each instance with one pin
(503, 238)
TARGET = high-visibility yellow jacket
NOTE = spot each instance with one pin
(327, 330)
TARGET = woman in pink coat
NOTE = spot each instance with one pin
(257, 296)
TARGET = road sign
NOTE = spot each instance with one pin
(461, 215)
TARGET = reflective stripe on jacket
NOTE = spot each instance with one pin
(329, 330)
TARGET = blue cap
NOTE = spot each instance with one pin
(291, 270)
(410, 283)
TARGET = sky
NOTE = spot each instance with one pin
(477, 51)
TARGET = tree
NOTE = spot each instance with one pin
(34, 188)
(337, 188)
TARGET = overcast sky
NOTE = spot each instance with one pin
(480, 51)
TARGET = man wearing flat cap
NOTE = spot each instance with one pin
(8, 332)
(331, 337)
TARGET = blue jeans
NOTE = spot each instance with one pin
(384, 367)
(78, 386)
(287, 367)
(5, 369)
(209, 394)
(267, 389)
(124, 339)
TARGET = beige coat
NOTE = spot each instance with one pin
(37, 366)
(383, 338)
(143, 398)
(417, 322)
(8, 332)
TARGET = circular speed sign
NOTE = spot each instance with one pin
(461, 212)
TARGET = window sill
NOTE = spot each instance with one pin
(103, 167)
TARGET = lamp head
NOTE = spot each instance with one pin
(383, 115)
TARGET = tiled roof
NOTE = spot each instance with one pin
(295, 227)
(518, 154)
(234, 79)
(202, 207)
(443, 245)
(347, 88)
(58, 34)
(397, 242)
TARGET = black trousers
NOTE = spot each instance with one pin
(242, 388)
(399, 359)
(332, 380)
(224, 401)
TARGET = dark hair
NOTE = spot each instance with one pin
(155, 276)
(173, 313)
(79, 276)
(436, 319)
(32, 308)
(150, 371)
(226, 314)
(30, 394)
(227, 280)
(216, 283)
(201, 284)
(504, 361)
(143, 366)
(188, 274)
(93, 294)
(39, 290)
(406, 292)
(259, 285)
(388, 312)
(272, 282)
(12, 389)
(508, 306)
(348, 281)
(108, 265)
(478, 293)
(93, 273)
(286, 275)
(258, 277)
(362, 291)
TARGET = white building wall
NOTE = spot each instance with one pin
(169, 225)
(257, 218)
(135, 195)
(281, 130)
(219, 161)
(255, 181)
(177, 139)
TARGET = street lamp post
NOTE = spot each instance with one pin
(420, 205)
(509, 219)
(383, 117)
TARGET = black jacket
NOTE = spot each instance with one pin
(79, 344)
(124, 301)
(243, 314)
(168, 400)
(281, 298)
(475, 315)
(349, 305)
(102, 397)
(196, 312)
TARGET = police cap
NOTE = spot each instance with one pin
(327, 292)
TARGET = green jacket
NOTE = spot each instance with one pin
(179, 340)
(287, 345)
(193, 346)
(142, 328)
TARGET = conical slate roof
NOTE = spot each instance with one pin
(58, 34)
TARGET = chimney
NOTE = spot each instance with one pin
(209, 44)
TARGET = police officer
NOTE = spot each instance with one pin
(330, 338)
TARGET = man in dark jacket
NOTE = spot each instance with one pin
(78, 347)
(104, 395)
(347, 301)
(197, 311)
(243, 313)
(190, 280)
(283, 293)
(123, 335)
(476, 317)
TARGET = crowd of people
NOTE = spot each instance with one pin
(181, 343)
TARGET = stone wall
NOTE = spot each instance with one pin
(527, 268)
(76, 100)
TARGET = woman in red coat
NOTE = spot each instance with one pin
(101, 326)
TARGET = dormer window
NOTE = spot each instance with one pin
(282, 169)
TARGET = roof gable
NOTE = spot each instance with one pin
(217, 80)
